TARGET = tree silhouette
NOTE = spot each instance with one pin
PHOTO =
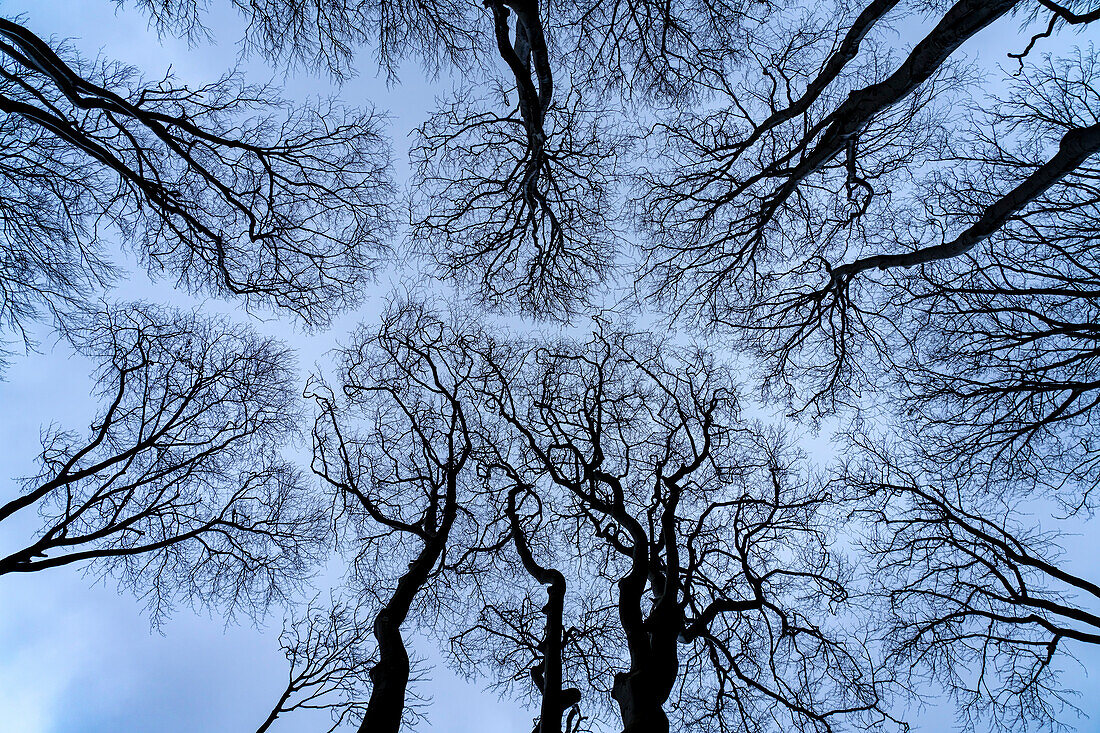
(715, 547)
(325, 649)
(803, 220)
(178, 488)
(397, 473)
(223, 188)
(892, 238)
(977, 595)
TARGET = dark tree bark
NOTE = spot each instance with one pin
(397, 480)
(547, 673)
(390, 674)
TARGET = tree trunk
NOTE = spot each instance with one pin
(389, 678)
(640, 707)
(551, 711)
(654, 666)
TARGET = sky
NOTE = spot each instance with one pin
(76, 656)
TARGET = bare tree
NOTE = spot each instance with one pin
(717, 549)
(1004, 377)
(326, 34)
(393, 444)
(879, 226)
(328, 663)
(960, 299)
(547, 673)
(519, 636)
(520, 205)
(732, 187)
(223, 188)
(523, 214)
(178, 489)
(978, 595)
(800, 210)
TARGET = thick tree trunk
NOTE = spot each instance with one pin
(640, 708)
(389, 678)
(642, 692)
(551, 711)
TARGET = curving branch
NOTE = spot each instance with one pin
(1075, 147)
(224, 188)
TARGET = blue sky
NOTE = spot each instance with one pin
(78, 657)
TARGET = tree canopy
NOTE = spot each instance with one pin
(658, 248)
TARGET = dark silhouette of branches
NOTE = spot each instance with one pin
(540, 629)
(978, 600)
(652, 50)
(328, 664)
(716, 547)
(223, 188)
(326, 34)
(593, 525)
(1004, 381)
(525, 637)
(523, 214)
(732, 193)
(839, 220)
(521, 205)
(547, 673)
(178, 489)
(393, 444)
(792, 213)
